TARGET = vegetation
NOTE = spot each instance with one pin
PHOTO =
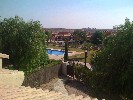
(113, 65)
(82, 55)
(87, 46)
(66, 50)
(48, 36)
(24, 42)
(50, 63)
(82, 73)
(97, 38)
(79, 37)
(70, 48)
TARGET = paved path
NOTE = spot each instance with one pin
(59, 87)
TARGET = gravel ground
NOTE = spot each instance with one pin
(77, 88)
(72, 86)
(49, 85)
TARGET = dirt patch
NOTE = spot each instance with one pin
(72, 86)
(76, 87)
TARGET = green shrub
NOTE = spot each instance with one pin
(113, 65)
(82, 73)
(87, 46)
(24, 42)
(97, 38)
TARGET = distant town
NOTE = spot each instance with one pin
(58, 33)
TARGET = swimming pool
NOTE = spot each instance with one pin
(55, 52)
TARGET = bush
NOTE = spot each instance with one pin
(87, 46)
(97, 38)
(24, 42)
(113, 65)
(50, 63)
(82, 73)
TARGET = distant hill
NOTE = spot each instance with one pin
(91, 30)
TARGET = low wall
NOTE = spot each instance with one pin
(42, 76)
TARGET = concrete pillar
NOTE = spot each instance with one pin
(1, 57)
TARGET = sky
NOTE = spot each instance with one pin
(73, 14)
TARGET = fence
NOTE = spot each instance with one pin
(42, 76)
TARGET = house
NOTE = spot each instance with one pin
(60, 36)
(89, 35)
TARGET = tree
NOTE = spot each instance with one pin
(79, 36)
(82, 36)
(24, 42)
(66, 50)
(113, 65)
(97, 38)
(48, 36)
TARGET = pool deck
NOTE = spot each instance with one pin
(60, 57)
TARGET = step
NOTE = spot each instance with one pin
(11, 77)
(87, 98)
(27, 93)
(80, 97)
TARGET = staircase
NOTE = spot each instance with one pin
(26, 93)
(11, 89)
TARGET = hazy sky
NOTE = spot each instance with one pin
(70, 13)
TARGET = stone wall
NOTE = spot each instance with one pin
(42, 76)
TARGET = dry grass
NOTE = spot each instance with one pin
(82, 55)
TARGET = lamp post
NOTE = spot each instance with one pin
(85, 57)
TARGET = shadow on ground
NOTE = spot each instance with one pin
(76, 87)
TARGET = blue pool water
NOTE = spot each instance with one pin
(55, 52)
